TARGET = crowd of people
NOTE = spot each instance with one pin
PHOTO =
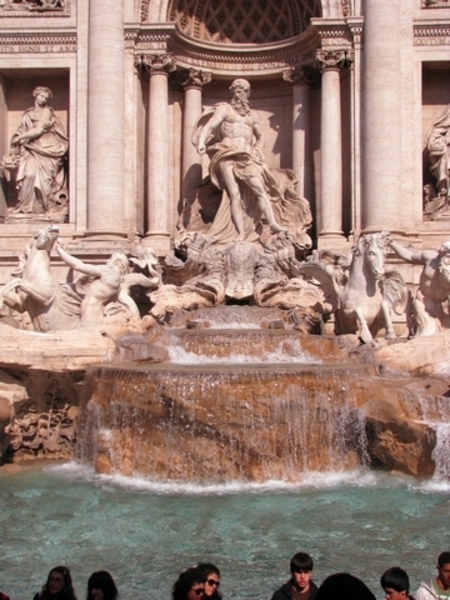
(202, 583)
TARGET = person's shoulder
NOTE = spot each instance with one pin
(283, 592)
(425, 591)
(314, 589)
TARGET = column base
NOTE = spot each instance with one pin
(101, 242)
(159, 242)
(334, 241)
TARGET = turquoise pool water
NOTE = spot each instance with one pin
(145, 533)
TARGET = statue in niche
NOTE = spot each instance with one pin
(242, 200)
(38, 152)
(438, 146)
(430, 307)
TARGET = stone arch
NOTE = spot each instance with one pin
(243, 21)
(157, 11)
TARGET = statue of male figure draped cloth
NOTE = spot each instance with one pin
(254, 202)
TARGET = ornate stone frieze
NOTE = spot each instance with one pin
(345, 8)
(435, 34)
(34, 8)
(435, 3)
(37, 42)
(243, 58)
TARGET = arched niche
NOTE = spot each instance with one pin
(243, 21)
(159, 11)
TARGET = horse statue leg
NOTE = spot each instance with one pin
(12, 300)
(390, 333)
(364, 331)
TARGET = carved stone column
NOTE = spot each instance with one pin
(192, 82)
(106, 117)
(301, 80)
(158, 205)
(330, 205)
(382, 102)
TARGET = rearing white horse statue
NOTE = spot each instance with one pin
(364, 291)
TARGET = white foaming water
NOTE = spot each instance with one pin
(441, 452)
(291, 354)
(313, 480)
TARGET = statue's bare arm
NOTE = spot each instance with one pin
(76, 263)
(210, 127)
(416, 258)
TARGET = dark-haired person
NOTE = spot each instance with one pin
(343, 586)
(212, 581)
(190, 585)
(101, 586)
(439, 587)
(395, 583)
(300, 586)
(58, 586)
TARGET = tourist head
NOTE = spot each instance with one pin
(443, 568)
(59, 584)
(190, 585)
(212, 579)
(395, 583)
(101, 586)
(301, 567)
(343, 586)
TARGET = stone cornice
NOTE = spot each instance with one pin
(334, 33)
(17, 42)
(432, 33)
(241, 59)
(148, 37)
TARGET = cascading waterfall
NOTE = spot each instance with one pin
(221, 423)
(256, 404)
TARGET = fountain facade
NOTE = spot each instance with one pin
(233, 177)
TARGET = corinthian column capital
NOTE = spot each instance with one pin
(331, 59)
(303, 75)
(151, 63)
(188, 78)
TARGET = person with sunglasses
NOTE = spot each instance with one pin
(212, 580)
(190, 585)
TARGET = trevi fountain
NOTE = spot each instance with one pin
(224, 283)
